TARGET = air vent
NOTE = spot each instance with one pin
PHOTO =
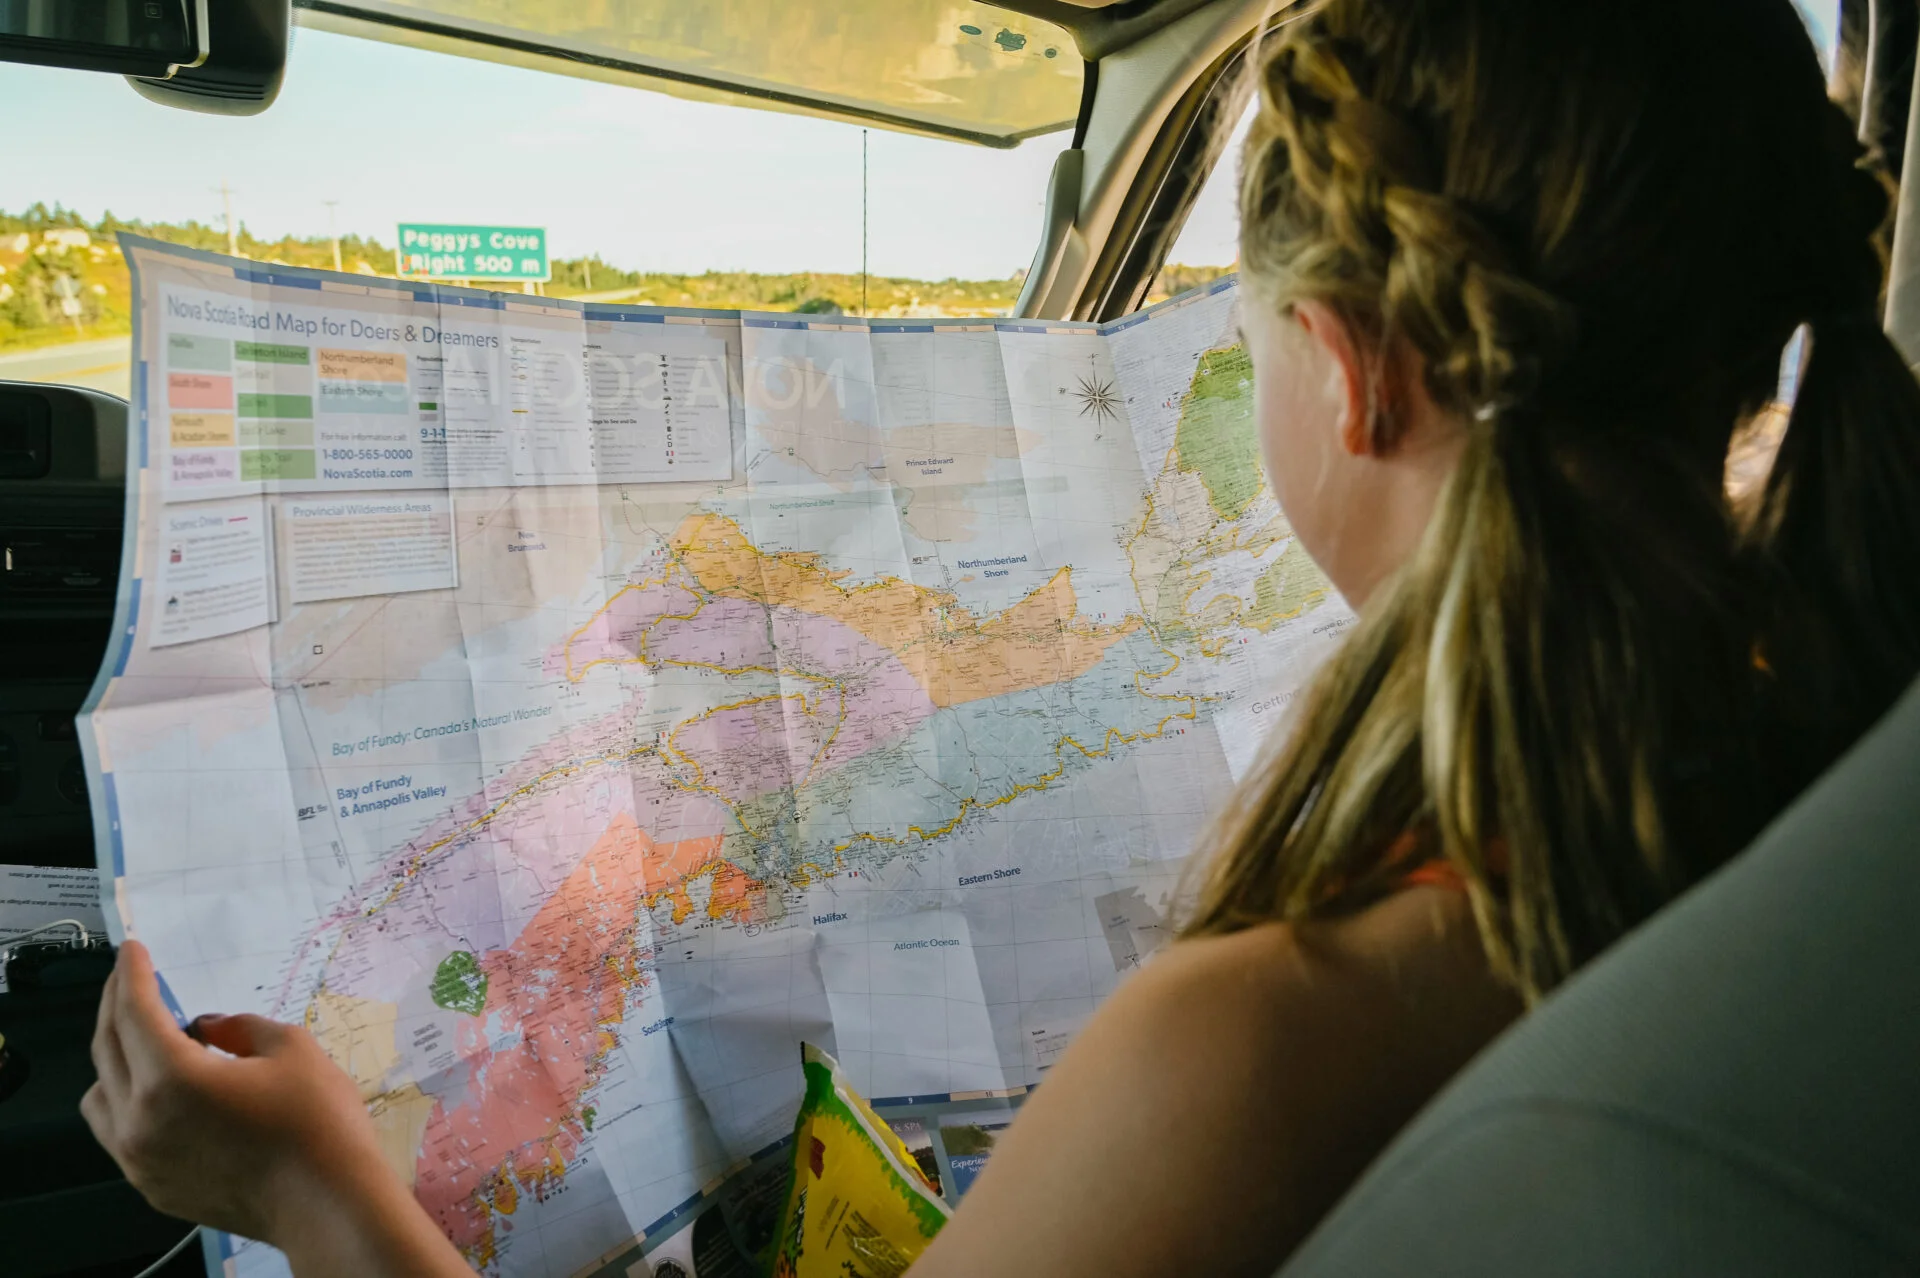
(74, 564)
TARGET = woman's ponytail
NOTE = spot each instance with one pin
(1836, 544)
(1594, 682)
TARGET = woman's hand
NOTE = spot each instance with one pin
(270, 1141)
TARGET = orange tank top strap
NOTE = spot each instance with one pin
(1439, 872)
(1406, 866)
(1435, 873)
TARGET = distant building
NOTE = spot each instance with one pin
(16, 243)
(62, 238)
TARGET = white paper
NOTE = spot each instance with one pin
(214, 571)
(390, 544)
(32, 896)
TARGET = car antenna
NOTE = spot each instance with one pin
(863, 223)
(333, 232)
(226, 204)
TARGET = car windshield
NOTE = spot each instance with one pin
(643, 197)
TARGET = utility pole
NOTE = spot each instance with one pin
(333, 232)
(226, 203)
(586, 264)
(863, 222)
(68, 292)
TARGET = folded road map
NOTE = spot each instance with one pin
(565, 710)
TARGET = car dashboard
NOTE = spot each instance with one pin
(64, 1208)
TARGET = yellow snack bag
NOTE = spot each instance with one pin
(857, 1204)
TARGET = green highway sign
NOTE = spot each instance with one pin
(437, 251)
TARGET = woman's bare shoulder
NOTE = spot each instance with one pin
(1235, 1078)
(1411, 948)
(1373, 1001)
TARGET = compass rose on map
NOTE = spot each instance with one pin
(1098, 400)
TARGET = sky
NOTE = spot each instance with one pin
(646, 181)
(1823, 17)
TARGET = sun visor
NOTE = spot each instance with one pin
(949, 68)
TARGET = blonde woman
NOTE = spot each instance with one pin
(1515, 273)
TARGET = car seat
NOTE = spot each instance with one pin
(1729, 1091)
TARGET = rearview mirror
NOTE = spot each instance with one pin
(133, 37)
(246, 58)
(223, 56)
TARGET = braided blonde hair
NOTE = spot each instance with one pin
(1596, 223)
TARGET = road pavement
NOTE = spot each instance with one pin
(103, 364)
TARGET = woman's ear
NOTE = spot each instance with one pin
(1336, 337)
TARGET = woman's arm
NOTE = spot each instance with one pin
(271, 1142)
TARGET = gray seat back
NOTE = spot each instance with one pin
(1730, 1091)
